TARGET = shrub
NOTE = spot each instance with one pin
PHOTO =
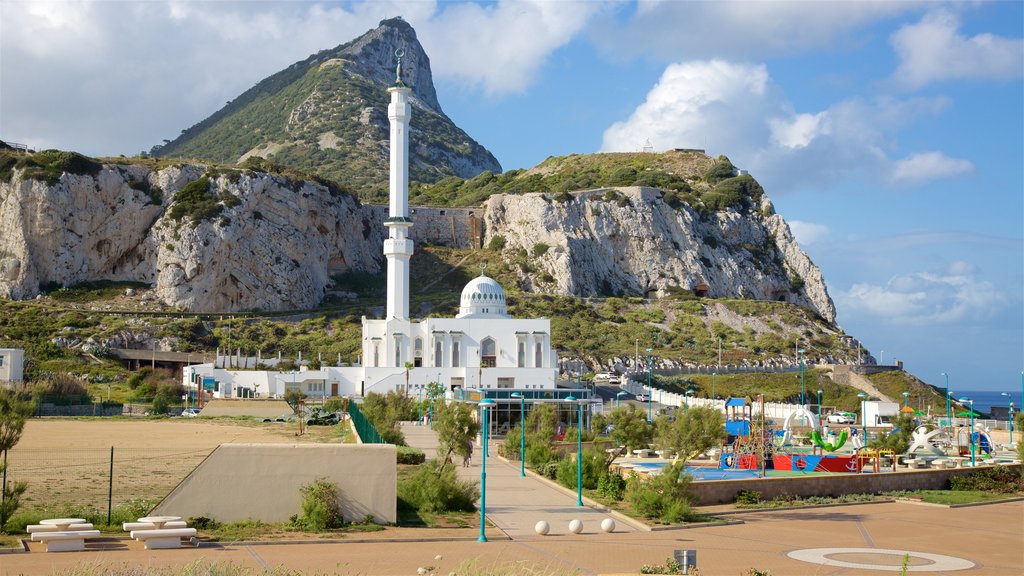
(563, 197)
(321, 508)
(593, 467)
(748, 497)
(665, 497)
(410, 455)
(721, 170)
(611, 486)
(497, 243)
(539, 249)
(997, 479)
(435, 488)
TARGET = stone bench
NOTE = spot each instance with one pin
(33, 528)
(69, 541)
(665, 454)
(912, 463)
(642, 453)
(130, 526)
(943, 463)
(163, 538)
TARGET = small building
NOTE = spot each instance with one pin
(12, 365)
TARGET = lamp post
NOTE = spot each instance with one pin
(906, 398)
(484, 405)
(619, 395)
(819, 405)
(579, 451)
(949, 425)
(649, 389)
(970, 431)
(687, 398)
(801, 350)
(1009, 415)
(864, 415)
(419, 407)
(522, 429)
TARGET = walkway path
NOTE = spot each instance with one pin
(515, 503)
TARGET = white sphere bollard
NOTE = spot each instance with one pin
(575, 526)
(542, 528)
(608, 525)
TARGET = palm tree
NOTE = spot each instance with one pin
(408, 366)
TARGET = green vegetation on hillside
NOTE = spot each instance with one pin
(923, 397)
(47, 165)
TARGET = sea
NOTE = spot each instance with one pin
(984, 400)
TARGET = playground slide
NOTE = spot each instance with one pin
(840, 440)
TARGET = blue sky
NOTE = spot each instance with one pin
(889, 134)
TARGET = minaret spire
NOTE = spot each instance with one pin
(398, 247)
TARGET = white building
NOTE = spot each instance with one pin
(481, 348)
(12, 365)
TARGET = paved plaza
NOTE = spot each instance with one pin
(851, 540)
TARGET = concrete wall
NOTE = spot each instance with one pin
(724, 491)
(455, 227)
(12, 363)
(262, 481)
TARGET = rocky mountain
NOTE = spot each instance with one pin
(328, 114)
(220, 239)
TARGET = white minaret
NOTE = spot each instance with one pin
(398, 248)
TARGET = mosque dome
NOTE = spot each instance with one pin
(482, 295)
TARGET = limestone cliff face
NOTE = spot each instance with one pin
(628, 241)
(273, 246)
(273, 243)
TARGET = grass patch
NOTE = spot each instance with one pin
(951, 497)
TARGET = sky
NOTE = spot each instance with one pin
(890, 135)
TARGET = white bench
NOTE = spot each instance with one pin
(64, 541)
(33, 528)
(163, 538)
(665, 454)
(642, 453)
(130, 526)
(943, 463)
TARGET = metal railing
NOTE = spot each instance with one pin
(364, 428)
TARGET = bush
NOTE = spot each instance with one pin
(593, 467)
(321, 509)
(435, 488)
(539, 249)
(410, 455)
(748, 497)
(997, 479)
(665, 497)
(496, 243)
(611, 486)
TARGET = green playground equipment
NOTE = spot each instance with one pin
(816, 438)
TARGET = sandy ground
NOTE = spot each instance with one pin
(68, 461)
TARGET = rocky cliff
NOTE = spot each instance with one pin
(629, 241)
(215, 239)
(328, 114)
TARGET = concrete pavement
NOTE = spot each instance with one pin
(515, 503)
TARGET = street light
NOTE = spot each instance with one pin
(650, 391)
(579, 451)
(484, 405)
(949, 425)
(619, 395)
(819, 405)
(801, 350)
(906, 398)
(419, 407)
(522, 429)
(1009, 415)
(970, 431)
(864, 415)
(687, 398)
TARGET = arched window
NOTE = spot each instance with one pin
(488, 353)
(438, 352)
(417, 359)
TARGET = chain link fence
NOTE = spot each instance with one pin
(100, 479)
(364, 428)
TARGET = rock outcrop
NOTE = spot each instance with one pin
(628, 241)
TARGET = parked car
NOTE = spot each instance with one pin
(190, 412)
(841, 418)
(641, 397)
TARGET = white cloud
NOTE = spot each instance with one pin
(501, 47)
(955, 295)
(807, 233)
(800, 130)
(738, 29)
(737, 109)
(933, 50)
(926, 167)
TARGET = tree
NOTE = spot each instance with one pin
(14, 411)
(455, 429)
(694, 431)
(408, 366)
(630, 427)
(385, 411)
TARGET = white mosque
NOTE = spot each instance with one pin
(481, 348)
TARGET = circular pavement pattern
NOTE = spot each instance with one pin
(880, 559)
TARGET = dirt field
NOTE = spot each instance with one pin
(68, 461)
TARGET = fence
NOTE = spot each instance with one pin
(94, 482)
(364, 428)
